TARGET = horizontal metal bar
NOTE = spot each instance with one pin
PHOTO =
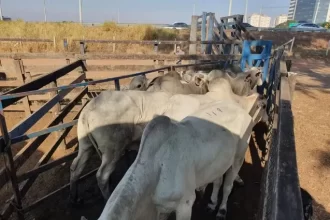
(50, 195)
(48, 166)
(29, 148)
(94, 82)
(159, 42)
(43, 132)
(39, 82)
(27, 123)
(45, 158)
(26, 40)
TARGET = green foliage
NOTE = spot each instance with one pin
(285, 24)
(326, 25)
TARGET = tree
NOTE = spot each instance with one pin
(285, 24)
(326, 25)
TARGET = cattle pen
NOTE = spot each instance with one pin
(68, 89)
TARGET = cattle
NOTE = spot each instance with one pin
(176, 158)
(170, 82)
(114, 120)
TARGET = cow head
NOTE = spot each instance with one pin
(253, 76)
(139, 83)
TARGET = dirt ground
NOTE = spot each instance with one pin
(311, 109)
(312, 126)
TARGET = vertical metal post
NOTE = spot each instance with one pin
(203, 32)
(210, 33)
(193, 34)
(117, 84)
(9, 163)
(56, 110)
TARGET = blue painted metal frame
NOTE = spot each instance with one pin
(257, 60)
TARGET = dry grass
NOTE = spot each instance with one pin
(70, 31)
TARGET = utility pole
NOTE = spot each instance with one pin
(45, 12)
(80, 11)
(118, 16)
(230, 6)
(246, 10)
(1, 12)
(260, 16)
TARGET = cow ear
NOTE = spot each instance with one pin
(248, 78)
(198, 79)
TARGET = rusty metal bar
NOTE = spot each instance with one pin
(37, 115)
(29, 148)
(26, 185)
(50, 195)
(9, 164)
(48, 166)
(39, 82)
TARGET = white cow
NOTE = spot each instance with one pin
(170, 82)
(175, 159)
(114, 120)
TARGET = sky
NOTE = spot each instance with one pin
(134, 11)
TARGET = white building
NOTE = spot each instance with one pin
(281, 19)
(258, 20)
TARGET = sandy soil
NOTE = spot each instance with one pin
(312, 126)
(311, 109)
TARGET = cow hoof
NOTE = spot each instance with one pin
(240, 183)
(209, 209)
(77, 202)
(221, 214)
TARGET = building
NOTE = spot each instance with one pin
(258, 20)
(316, 11)
(292, 9)
(281, 19)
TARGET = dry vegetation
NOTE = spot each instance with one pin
(60, 30)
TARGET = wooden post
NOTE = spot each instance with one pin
(19, 70)
(65, 44)
(56, 110)
(160, 64)
(54, 42)
(114, 45)
(193, 35)
(82, 50)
